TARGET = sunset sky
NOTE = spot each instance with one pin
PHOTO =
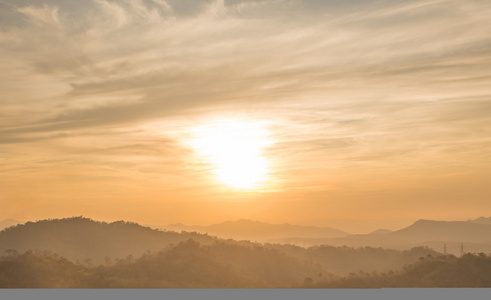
(352, 114)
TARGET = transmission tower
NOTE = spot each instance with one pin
(445, 249)
(461, 249)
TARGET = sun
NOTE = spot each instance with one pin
(234, 148)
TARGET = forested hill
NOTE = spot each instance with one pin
(468, 271)
(88, 241)
(80, 252)
(186, 265)
(228, 265)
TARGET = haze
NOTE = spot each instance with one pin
(359, 115)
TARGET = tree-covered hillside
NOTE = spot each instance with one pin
(471, 270)
(186, 265)
(224, 265)
(88, 241)
(79, 252)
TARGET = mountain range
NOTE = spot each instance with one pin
(79, 252)
(481, 220)
(120, 239)
(449, 236)
(259, 231)
(92, 243)
(475, 235)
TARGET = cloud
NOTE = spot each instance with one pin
(173, 55)
(126, 61)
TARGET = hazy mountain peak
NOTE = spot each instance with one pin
(381, 232)
(457, 231)
(422, 221)
(8, 222)
(260, 231)
(243, 221)
(482, 220)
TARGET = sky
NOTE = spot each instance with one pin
(351, 114)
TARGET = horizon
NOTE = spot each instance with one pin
(161, 226)
(360, 115)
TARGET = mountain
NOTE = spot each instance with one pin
(381, 232)
(185, 265)
(260, 231)
(85, 240)
(482, 220)
(452, 231)
(450, 235)
(92, 242)
(7, 223)
(189, 264)
(468, 271)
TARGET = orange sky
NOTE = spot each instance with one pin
(360, 115)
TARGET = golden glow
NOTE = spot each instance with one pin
(234, 148)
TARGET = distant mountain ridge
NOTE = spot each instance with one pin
(474, 236)
(80, 238)
(429, 230)
(381, 232)
(260, 231)
(482, 220)
(8, 222)
(90, 243)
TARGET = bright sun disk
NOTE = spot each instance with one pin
(234, 148)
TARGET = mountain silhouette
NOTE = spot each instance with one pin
(90, 243)
(452, 231)
(82, 239)
(7, 223)
(260, 231)
(482, 220)
(381, 232)
(475, 237)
